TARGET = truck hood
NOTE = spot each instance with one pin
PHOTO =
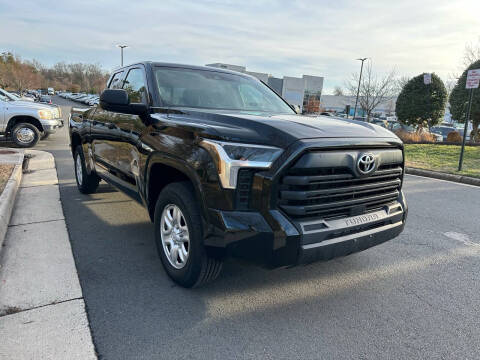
(28, 104)
(278, 130)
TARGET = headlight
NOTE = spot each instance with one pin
(57, 112)
(45, 114)
(230, 157)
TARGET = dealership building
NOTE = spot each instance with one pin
(304, 92)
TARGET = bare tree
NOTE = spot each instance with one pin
(338, 91)
(450, 84)
(401, 82)
(374, 89)
(472, 53)
(19, 75)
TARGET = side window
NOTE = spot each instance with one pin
(116, 83)
(134, 84)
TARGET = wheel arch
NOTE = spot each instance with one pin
(26, 119)
(161, 170)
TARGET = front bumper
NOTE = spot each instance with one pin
(51, 126)
(274, 240)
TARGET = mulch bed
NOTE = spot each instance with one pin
(5, 172)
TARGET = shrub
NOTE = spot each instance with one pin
(454, 136)
(415, 137)
(420, 104)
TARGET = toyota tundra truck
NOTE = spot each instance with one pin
(225, 167)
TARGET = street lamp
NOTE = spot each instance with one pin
(121, 52)
(358, 90)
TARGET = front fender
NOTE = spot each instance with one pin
(181, 165)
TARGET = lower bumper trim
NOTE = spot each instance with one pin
(345, 245)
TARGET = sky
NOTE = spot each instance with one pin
(282, 38)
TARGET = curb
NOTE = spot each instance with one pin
(443, 176)
(7, 198)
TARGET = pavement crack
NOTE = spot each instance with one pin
(36, 222)
(12, 310)
(31, 186)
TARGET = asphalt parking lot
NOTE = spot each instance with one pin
(415, 297)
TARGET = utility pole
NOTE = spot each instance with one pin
(358, 90)
(121, 52)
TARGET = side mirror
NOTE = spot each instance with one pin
(117, 100)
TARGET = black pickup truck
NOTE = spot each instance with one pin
(225, 167)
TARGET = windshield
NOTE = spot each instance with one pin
(7, 95)
(216, 90)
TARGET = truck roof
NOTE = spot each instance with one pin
(183, 66)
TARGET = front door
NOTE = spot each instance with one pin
(114, 142)
(130, 127)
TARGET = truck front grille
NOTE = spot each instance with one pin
(335, 191)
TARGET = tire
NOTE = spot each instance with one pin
(25, 135)
(86, 183)
(44, 136)
(198, 268)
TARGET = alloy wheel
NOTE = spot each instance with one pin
(79, 169)
(175, 236)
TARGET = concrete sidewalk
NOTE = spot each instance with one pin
(42, 311)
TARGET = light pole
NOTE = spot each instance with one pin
(358, 90)
(121, 52)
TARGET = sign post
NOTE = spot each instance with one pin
(473, 80)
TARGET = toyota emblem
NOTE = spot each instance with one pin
(366, 163)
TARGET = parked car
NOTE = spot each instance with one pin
(396, 126)
(14, 97)
(45, 99)
(382, 123)
(50, 91)
(361, 118)
(93, 101)
(28, 97)
(442, 130)
(226, 167)
(25, 122)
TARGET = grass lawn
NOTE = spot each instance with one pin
(443, 158)
(5, 171)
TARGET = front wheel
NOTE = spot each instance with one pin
(25, 135)
(86, 183)
(179, 237)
